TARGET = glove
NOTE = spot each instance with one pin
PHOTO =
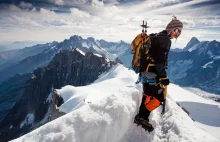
(164, 80)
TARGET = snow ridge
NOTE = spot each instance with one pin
(110, 105)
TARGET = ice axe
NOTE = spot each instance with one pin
(144, 28)
(164, 96)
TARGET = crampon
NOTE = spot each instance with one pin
(144, 123)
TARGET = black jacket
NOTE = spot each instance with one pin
(160, 46)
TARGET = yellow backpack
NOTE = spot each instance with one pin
(140, 47)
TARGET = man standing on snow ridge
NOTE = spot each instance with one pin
(154, 78)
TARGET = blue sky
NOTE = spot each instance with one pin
(112, 20)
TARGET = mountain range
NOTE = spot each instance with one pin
(18, 45)
(197, 65)
(27, 59)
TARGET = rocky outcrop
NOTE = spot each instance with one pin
(66, 68)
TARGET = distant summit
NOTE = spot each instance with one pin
(191, 44)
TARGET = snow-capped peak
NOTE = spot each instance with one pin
(191, 43)
(75, 38)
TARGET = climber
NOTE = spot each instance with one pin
(154, 76)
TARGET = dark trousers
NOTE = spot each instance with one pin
(152, 98)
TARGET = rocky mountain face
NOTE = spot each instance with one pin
(198, 65)
(33, 107)
(10, 92)
(42, 57)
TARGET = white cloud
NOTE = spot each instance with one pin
(97, 2)
(13, 8)
(89, 2)
(211, 21)
(33, 9)
(110, 22)
(25, 5)
(111, 9)
(188, 23)
(78, 13)
(137, 18)
(107, 12)
(155, 23)
(159, 3)
(22, 6)
(121, 18)
(46, 11)
(21, 21)
(57, 2)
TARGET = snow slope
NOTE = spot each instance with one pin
(203, 93)
(104, 112)
(205, 112)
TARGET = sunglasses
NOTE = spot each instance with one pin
(177, 30)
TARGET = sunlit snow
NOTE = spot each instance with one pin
(104, 112)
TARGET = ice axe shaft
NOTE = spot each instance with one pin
(165, 96)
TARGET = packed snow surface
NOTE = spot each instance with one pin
(28, 120)
(104, 112)
(97, 55)
(204, 94)
(205, 112)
